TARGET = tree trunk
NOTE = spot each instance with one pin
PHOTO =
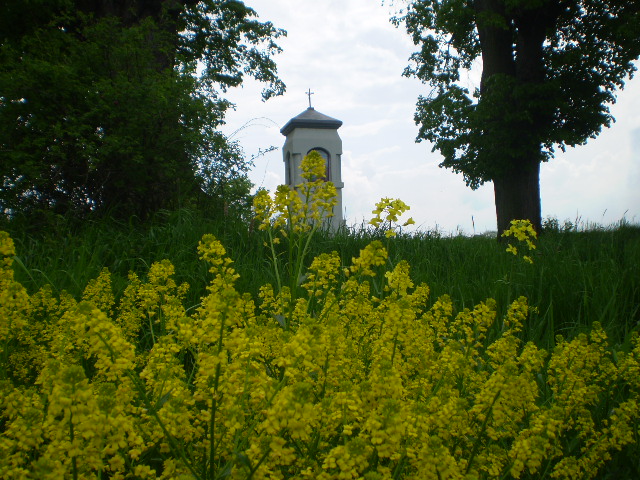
(517, 196)
(517, 182)
(154, 182)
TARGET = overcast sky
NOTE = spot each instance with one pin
(349, 54)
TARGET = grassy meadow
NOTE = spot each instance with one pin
(353, 369)
(579, 276)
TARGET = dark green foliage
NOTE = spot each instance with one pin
(103, 108)
(549, 73)
(555, 82)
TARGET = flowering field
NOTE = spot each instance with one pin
(333, 371)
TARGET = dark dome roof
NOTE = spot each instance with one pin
(310, 118)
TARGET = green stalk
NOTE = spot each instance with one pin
(74, 459)
(302, 250)
(212, 424)
(262, 459)
(395, 344)
(153, 337)
(397, 472)
(214, 404)
(173, 444)
(4, 356)
(274, 259)
(476, 444)
(305, 250)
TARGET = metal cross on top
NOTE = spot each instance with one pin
(309, 93)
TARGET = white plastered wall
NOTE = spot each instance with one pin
(302, 140)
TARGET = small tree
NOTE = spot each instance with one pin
(549, 73)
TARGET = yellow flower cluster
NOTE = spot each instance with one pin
(337, 383)
(294, 215)
(298, 209)
(387, 212)
(523, 231)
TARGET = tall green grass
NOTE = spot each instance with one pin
(578, 277)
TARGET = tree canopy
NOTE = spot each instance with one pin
(550, 70)
(117, 105)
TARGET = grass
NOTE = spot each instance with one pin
(578, 277)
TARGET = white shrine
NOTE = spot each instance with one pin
(312, 130)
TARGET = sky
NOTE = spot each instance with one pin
(350, 55)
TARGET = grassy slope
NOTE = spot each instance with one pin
(578, 277)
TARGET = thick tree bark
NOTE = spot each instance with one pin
(157, 186)
(517, 193)
(496, 41)
(517, 196)
(513, 47)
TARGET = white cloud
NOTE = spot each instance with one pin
(374, 127)
(350, 55)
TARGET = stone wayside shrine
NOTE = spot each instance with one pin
(312, 130)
